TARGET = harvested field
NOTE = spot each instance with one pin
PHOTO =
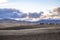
(47, 36)
(16, 26)
(31, 34)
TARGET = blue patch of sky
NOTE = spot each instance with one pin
(36, 4)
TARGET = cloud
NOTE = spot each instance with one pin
(3, 1)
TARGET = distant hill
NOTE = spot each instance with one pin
(54, 21)
(15, 21)
(30, 22)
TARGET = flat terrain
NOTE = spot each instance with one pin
(29, 32)
(17, 26)
(50, 33)
(47, 36)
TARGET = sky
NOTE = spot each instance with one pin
(30, 5)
